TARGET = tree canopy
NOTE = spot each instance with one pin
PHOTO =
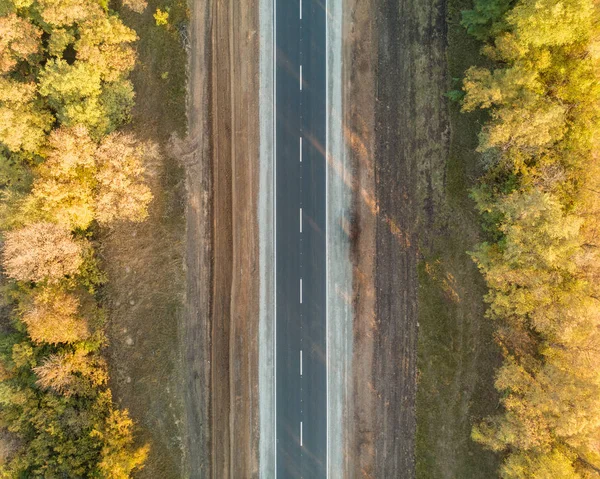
(539, 201)
(65, 171)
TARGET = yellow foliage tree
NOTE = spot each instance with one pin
(63, 190)
(63, 13)
(540, 200)
(82, 181)
(53, 317)
(23, 120)
(119, 457)
(72, 373)
(122, 193)
(105, 43)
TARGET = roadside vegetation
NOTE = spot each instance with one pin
(144, 261)
(456, 353)
(539, 198)
(66, 171)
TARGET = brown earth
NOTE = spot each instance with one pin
(221, 321)
(396, 126)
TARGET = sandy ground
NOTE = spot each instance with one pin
(222, 248)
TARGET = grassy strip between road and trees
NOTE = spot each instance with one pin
(456, 352)
(65, 170)
(539, 199)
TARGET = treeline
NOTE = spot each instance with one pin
(540, 201)
(65, 170)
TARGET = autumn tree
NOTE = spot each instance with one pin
(63, 189)
(122, 193)
(539, 202)
(82, 181)
(24, 121)
(105, 42)
(63, 13)
(119, 455)
(54, 317)
(76, 373)
(60, 39)
(64, 90)
(41, 251)
(19, 40)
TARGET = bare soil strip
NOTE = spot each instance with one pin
(396, 122)
(199, 245)
(222, 250)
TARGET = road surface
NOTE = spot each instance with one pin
(300, 215)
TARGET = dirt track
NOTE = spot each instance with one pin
(222, 252)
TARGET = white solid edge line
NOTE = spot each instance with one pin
(275, 227)
(300, 220)
(326, 237)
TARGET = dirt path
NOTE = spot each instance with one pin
(199, 246)
(221, 331)
(395, 122)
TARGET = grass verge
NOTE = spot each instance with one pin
(144, 295)
(457, 355)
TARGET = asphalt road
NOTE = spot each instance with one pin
(300, 136)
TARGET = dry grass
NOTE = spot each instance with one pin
(144, 262)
